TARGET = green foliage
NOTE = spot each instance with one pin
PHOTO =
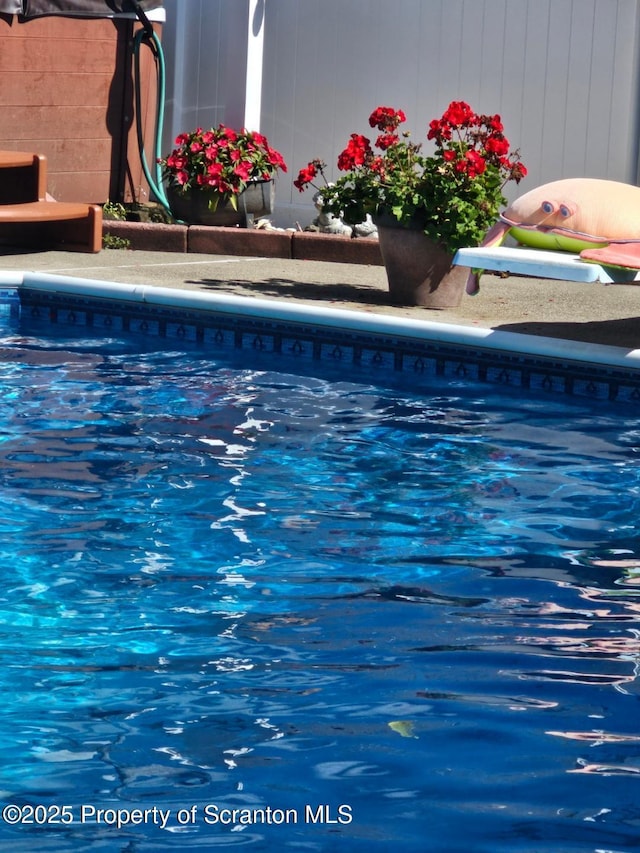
(113, 210)
(113, 241)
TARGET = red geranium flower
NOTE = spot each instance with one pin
(379, 166)
(276, 159)
(243, 170)
(356, 152)
(459, 114)
(386, 140)
(439, 130)
(497, 144)
(309, 173)
(386, 118)
(494, 123)
(476, 164)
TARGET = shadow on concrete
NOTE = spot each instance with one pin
(314, 291)
(620, 333)
(18, 250)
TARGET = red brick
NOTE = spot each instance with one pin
(308, 246)
(149, 236)
(247, 242)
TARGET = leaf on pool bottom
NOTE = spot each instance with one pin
(402, 727)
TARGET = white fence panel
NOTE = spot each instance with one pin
(562, 73)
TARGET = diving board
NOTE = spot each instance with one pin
(540, 263)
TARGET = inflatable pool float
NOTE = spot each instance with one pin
(597, 219)
(565, 227)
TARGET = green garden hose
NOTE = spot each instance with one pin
(146, 35)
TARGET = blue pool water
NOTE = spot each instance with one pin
(248, 608)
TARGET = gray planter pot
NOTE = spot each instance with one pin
(192, 206)
(419, 271)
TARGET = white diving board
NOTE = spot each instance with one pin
(538, 263)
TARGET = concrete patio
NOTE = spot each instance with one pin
(584, 312)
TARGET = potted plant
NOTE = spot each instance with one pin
(426, 207)
(221, 176)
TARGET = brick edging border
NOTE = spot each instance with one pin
(246, 242)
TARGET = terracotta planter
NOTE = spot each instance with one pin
(419, 271)
(192, 206)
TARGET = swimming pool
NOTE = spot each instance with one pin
(251, 603)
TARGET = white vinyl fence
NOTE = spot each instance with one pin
(562, 73)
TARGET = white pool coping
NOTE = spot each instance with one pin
(389, 326)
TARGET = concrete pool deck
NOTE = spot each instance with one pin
(594, 313)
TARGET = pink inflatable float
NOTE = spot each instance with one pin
(597, 219)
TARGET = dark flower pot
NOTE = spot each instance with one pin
(419, 271)
(192, 206)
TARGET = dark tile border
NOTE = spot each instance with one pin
(386, 357)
